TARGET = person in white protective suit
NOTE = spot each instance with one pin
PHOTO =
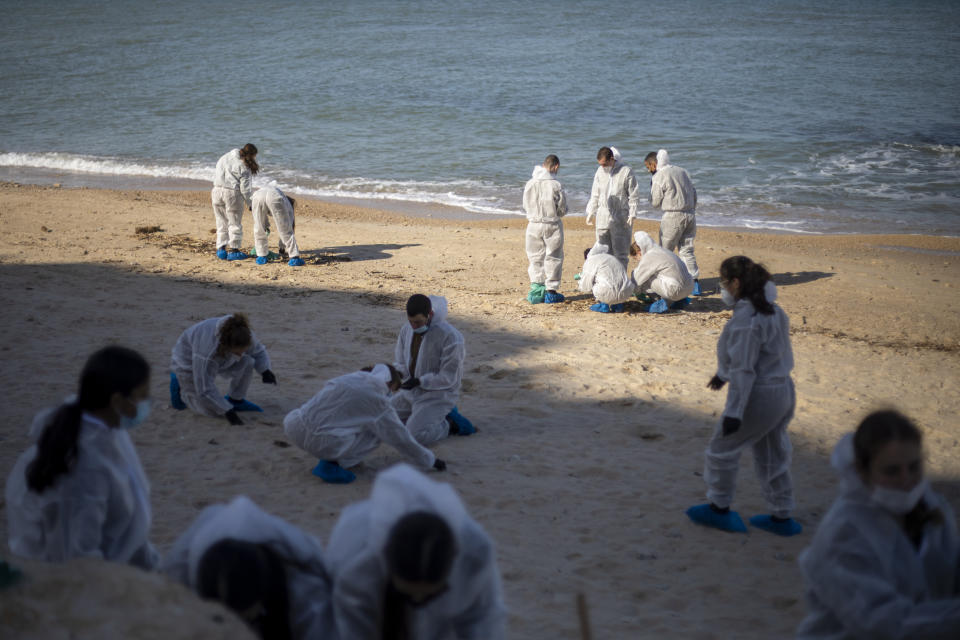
(755, 357)
(545, 205)
(662, 273)
(232, 188)
(348, 418)
(429, 356)
(271, 201)
(614, 199)
(409, 562)
(606, 278)
(671, 190)
(267, 570)
(80, 490)
(223, 346)
(885, 560)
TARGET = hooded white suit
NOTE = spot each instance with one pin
(614, 199)
(660, 271)
(232, 187)
(672, 190)
(545, 204)
(605, 277)
(270, 200)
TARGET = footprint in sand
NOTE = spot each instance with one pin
(500, 374)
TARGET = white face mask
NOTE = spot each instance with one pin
(899, 502)
(727, 297)
(422, 329)
(143, 410)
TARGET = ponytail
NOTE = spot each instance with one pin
(248, 155)
(234, 332)
(56, 449)
(753, 278)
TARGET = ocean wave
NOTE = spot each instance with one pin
(104, 166)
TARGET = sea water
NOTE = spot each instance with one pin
(816, 117)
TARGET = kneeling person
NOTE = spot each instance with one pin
(270, 200)
(606, 278)
(661, 272)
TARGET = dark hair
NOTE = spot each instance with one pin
(753, 277)
(248, 155)
(251, 580)
(108, 371)
(551, 161)
(421, 548)
(879, 429)
(651, 156)
(234, 332)
(418, 304)
(604, 154)
(395, 377)
(586, 252)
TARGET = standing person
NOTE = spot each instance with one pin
(232, 187)
(672, 190)
(606, 278)
(348, 418)
(885, 560)
(410, 562)
(429, 356)
(755, 357)
(270, 200)
(545, 205)
(222, 346)
(80, 490)
(660, 272)
(266, 570)
(614, 198)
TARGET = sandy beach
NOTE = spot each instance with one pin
(592, 426)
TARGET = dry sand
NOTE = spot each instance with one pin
(592, 427)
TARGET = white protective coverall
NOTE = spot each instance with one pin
(471, 608)
(348, 419)
(545, 204)
(232, 187)
(197, 365)
(439, 367)
(308, 585)
(100, 508)
(605, 277)
(754, 356)
(671, 189)
(614, 199)
(660, 271)
(272, 201)
(866, 580)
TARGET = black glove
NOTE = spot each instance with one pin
(410, 383)
(439, 465)
(730, 425)
(232, 417)
(716, 383)
(268, 377)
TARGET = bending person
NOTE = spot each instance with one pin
(885, 560)
(755, 357)
(80, 491)
(614, 198)
(429, 356)
(662, 273)
(545, 205)
(409, 562)
(348, 419)
(606, 278)
(268, 571)
(223, 346)
(272, 201)
(232, 187)
(671, 190)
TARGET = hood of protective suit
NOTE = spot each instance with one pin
(663, 159)
(616, 157)
(439, 306)
(843, 462)
(597, 249)
(770, 291)
(643, 240)
(540, 173)
(382, 373)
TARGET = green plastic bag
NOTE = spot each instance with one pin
(537, 292)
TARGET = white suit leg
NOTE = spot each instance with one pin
(402, 404)
(240, 374)
(285, 231)
(428, 418)
(364, 443)
(536, 248)
(686, 246)
(772, 456)
(190, 397)
(670, 289)
(220, 216)
(261, 227)
(621, 235)
(234, 204)
(553, 261)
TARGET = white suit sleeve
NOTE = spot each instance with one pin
(389, 429)
(633, 196)
(561, 203)
(84, 509)
(261, 360)
(594, 201)
(529, 199)
(587, 276)
(743, 345)
(645, 271)
(205, 380)
(485, 617)
(451, 367)
(656, 193)
(400, 357)
(356, 594)
(246, 186)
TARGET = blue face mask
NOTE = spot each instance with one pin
(421, 330)
(143, 410)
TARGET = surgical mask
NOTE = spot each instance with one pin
(727, 297)
(143, 410)
(899, 502)
(420, 330)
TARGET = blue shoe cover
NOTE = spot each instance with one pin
(243, 405)
(789, 528)
(600, 307)
(261, 260)
(237, 255)
(222, 254)
(696, 289)
(681, 304)
(551, 298)
(660, 306)
(296, 262)
(464, 426)
(617, 308)
(330, 471)
(729, 521)
(175, 400)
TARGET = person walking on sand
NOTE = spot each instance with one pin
(545, 204)
(662, 273)
(232, 187)
(672, 191)
(272, 201)
(755, 357)
(614, 199)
